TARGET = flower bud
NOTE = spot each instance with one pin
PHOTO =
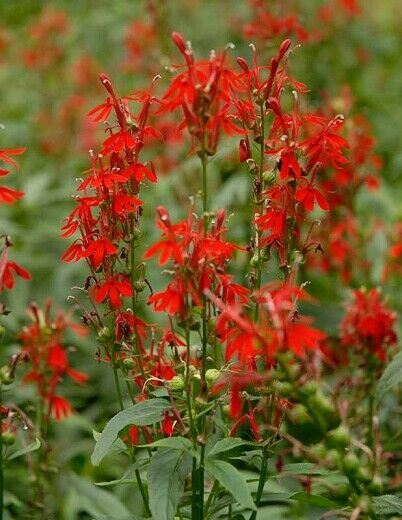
(269, 177)
(104, 334)
(176, 385)
(351, 463)
(338, 438)
(6, 377)
(211, 376)
(254, 262)
(7, 438)
(139, 285)
(129, 363)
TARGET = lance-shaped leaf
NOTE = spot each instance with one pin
(232, 480)
(141, 414)
(167, 472)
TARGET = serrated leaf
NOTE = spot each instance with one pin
(140, 414)
(23, 451)
(225, 445)
(232, 480)
(391, 377)
(167, 472)
(387, 505)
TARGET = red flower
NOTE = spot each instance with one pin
(368, 325)
(7, 274)
(60, 407)
(309, 195)
(112, 289)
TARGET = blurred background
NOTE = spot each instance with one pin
(51, 53)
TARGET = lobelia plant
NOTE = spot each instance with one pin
(235, 378)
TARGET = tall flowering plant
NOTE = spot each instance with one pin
(232, 369)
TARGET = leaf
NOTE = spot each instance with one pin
(387, 505)
(127, 478)
(167, 472)
(391, 377)
(118, 445)
(23, 451)
(314, 500)
(141, 414)
(232, 480)
(304, 468)
(224, 445)
(174, 443)
(96, 501)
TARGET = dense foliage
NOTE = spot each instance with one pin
(209, 327)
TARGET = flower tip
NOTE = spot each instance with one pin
(178, 40)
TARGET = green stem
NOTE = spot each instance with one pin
(200, 471)
(261, 482)
(117, 382)
(132, 456)
(371, 393)
(259, 206)
(215, 487)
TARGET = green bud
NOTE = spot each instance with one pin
(104, 335)
(309, 388)
(351, 463)
(299, 415)
(376, 486)
(6, 377)
(282, 388)
(319, 451)
(139, 285)
(211, 324)
(333, 459)
(268, 177)
(341, 492)
(339, 438)
(2, 332)
(128, 363)
(136, 233)
(176, 385)
(8, 438)
(211, 376)
(200, 402)
(226, 410)
(363, 474)
(254, 262)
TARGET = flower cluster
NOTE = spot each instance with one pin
(369, 325)
(42, 346)
(9, 268)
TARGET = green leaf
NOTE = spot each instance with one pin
(304, 468)
(387, 505)
(391, 377)
(232, 480)
(141, 414)
(174, 443)
(23, 451)
(314, 500)
(224, 445)
(127, 478)
(96, 501)
(167, 472)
